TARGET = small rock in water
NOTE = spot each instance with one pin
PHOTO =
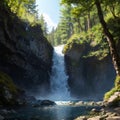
(79, 103)
(100, 103)
(40, 103)
(94, 110)
(47, 103)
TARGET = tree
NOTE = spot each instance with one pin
(89, 4)
(110, 39)
(43, 25)
(51, 37)
(25, 9)
(66, 25)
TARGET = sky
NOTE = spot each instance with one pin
(50, 10)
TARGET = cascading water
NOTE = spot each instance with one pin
(59, 83)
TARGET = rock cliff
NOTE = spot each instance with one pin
(25, 54)
(88, 76)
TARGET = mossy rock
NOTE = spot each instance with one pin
(117, 83)
(113, 90)
(109, 93)
(8, 90)
(6, 81)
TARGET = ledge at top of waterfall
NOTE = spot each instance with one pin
(59, 79)
(58, 50)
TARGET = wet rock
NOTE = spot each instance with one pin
(79, 103)
(92, 103)
(100, 103)
(96, 118)
(40, 103)
(4, 111)
(114, 97)
(81, 118)
(94, 110)
(114, 100)
(30, 99)
(102, 111)
(113, 118)
(47, 103)
(1, 117)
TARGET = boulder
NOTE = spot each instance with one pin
(114, 100)
(40, 103)
(47, 103)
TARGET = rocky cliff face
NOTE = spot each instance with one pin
(88, 76)
(25, 54)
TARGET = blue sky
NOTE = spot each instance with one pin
(51, 11)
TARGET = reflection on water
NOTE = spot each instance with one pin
(49, 113)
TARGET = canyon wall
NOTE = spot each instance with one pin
(89, 77)
(25, 54)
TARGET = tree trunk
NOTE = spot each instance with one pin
(85, 24)
(111, 42)
(88, 21)
(79, 25)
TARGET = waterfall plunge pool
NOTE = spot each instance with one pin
(64, 110)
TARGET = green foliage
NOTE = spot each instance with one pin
(76, 39)
(43, 24)
(114, 26)
(108, 94)
(113, 90)
(95, 38)
(85, 16)
(99, 42)
(117, 83)
(24, 9)
(64, 29)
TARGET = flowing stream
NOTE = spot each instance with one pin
(59, 79)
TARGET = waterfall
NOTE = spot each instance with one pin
(59, 84)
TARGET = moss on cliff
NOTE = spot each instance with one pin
(116, 88)
(94, 38)
(76, 39)
(8, 90)
(6, 81)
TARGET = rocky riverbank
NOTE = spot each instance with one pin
(103, 114)
(110, 110)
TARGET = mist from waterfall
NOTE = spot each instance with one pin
(59, 79)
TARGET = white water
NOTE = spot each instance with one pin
(59, 79)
